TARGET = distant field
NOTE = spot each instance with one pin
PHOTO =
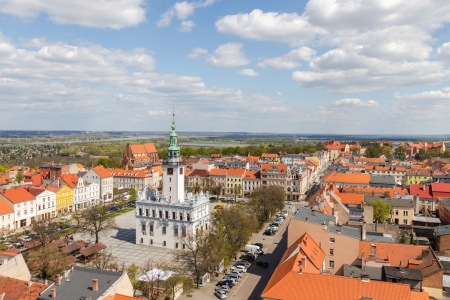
(213, 144)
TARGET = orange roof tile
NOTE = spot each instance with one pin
(5, 208)
(14, 289)
(102, 172)
(281, 168)
(129, 173)
(419, 295)
(143, 148)
(347, 178)
(371, 160)
(264, 155)
(70, 179)
(252, 175)
(123, 297)
(159, 169)
(17, 195)
(351, 198)
(396, 253)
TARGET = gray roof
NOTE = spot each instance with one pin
(8, 257)
(375, 273)
(81, 174)
(426, 219)
(394, 202)
(446, 281)
(445, 265)
(304, 214)
(372, 236)
(407, 273)
(389, 180)
(80, 284)
(346, 230)
(441, 230)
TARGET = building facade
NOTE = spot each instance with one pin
(162, 219)
(105, 181)
(139, 154)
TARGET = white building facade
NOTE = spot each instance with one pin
(85, 195)
(162, 219)
(46, 205)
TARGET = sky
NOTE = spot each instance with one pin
(318, 66)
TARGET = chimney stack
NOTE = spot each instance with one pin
(313, 212)
(57, 279)
(363, 231)
(30, 283)
(95, 285)
(53, 293)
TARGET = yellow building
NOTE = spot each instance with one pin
(417, 177)
(64, 201)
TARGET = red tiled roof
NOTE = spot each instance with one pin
(395, 253)
(265, 168)
(92, 249)
(199, 173)
(14, 289)
(229, 172)
(350, 198)
(371, 160)
(13, 250)
(419, 295)
(123, 297)
(347, 178)
(159, 169)
(143, 148)
(205, 161)
(441, 187)
(102, 172)
(268, 155)
(130, 173)
(5, 208)
(252, 175)
(70, 179)
(17, 195)
(74, 246)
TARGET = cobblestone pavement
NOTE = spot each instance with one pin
(122, 242)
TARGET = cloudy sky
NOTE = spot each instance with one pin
(318, 66)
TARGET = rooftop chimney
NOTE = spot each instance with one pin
(363, 231)
(57, 279)
(313, 212)
(95, 285)
(30, 283)
(53, 293)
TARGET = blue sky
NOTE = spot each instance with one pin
(318, 66)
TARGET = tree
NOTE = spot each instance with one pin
(381, 210)
(234, 226)
(199, 254)
(400, 153)
(411, 238)
(19, 177)
(237, 191)
(171, 284)
(403, 238)
(44, 231)
(103, 260)
(312, 150)
(152, 280)
(95, 221)
(132, 271)
(133, 195)
(77, 216)
(196, 187)
(47, 261)
(266, 200)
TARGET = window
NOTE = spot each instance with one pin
(153, 213)
(164, 243)
(24, 211)
(181, 216)
(140, 211)
(164, 230)
(151, 242)
(188, 217)
(184, 246)
(396, 212)
(175, 232)
(173, 215)
(405, 222)
(146, 212)
(405, 213)
(331, 252)
(143, 227)
(181, 171)
(183, 233)
(151, 228)
(142, 240)
(31, 210)
(176, 245)
(169, 171)
(332, 240)
(9, 217)
(331, 264)
(167, 214)
(3, 218)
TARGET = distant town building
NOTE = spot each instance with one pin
(139, 154)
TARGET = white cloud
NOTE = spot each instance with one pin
(279, 94)
(353, 102)
(114, 14)
(183, 9)
(248, 73)
(186, 26)
(290, 60)
(158, 113)
(279, 27)
(196, 52)
(443, 51)
(229, 55)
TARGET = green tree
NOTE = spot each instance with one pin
(267, 200)
(312, 150)
(3, 169)
(19, 177)
(133, 271)
(400, 153)
(411, 238)
(403, 238)
(133, 195)
(381, 210)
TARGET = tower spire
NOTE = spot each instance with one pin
(174, 114)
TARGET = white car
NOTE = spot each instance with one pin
(222, 288)
(221, 294)
(239, 268)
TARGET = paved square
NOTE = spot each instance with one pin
(122, 242)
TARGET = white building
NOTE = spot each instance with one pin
(162, 219)
(23, 203)
(45, 202)
(104, 179)
(85, 195)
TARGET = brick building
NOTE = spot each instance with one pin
(139, 154)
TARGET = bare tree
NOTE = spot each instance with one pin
(152, 283)
(200, 253)
(95, 221)
(103, 260)
(44, 231)
(47, 261)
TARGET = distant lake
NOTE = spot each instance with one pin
(133, 138)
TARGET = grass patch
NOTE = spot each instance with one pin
(67, 231)
(120, 212)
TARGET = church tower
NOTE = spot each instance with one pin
(173, 178)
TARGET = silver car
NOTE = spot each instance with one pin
(221, 294)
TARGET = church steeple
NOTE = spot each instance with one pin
(174, 150)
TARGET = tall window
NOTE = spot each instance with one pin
(164, 230)
(140, 211)
(175, 233)
(331, 264)
(151, 228)
(143, 227)
(181, 216)
(160, 214)
(169, 171)
(153, 213)
(173, 215)
(164, 243)
(183, 232)
(146, 212)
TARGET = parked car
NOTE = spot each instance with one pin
(243, 263)
(259, 244)
(224, 288)
(220, 294)
(239, 268)
(269, 231)
(262, 263)
(248, 256)
(230, 283)
(234, 280)
(235, 272)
